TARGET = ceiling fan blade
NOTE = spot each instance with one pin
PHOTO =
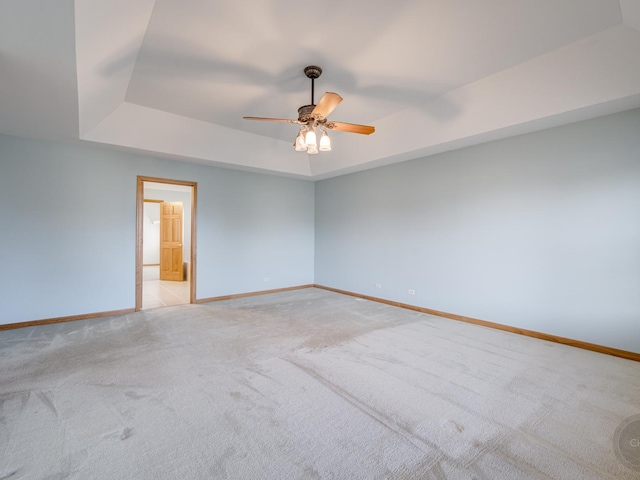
(350, 127)
(284, 120)
(326, 105)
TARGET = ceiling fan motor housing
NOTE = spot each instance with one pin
(304, 113)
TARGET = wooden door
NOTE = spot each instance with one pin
(171, 241)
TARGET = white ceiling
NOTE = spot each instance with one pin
(175, 78)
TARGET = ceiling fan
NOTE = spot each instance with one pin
(312, 118)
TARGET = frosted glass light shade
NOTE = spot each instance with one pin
(310, 139)
(312, 149)
(300, 142)
(325, 142)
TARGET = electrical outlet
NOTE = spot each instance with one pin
(412, 292)
(266, 279)
(378, 285)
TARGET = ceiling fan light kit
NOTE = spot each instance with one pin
(313, 118)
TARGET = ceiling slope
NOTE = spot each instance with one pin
(38, 89)
(108, 37)
(593, 77)
(631, 13)
(175, 78)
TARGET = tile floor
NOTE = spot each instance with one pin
(162, 293)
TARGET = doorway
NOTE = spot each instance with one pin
(165, 242)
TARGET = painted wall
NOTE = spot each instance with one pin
(151, 234)
(250, 226)
(540, 231)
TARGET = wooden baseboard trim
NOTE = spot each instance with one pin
(252, 294)
(86, 316)
(498, 326)
(71, 318)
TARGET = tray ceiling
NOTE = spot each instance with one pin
(175, 78)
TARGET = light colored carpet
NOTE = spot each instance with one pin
(306, 384)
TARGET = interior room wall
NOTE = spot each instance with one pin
(540, 231)
(151, 234)
(63, 203)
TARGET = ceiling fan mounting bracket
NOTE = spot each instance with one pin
(312, 71)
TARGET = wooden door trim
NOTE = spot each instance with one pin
(139, 229)
(497, 326)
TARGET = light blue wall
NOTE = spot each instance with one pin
(68, 222)
(540, 231)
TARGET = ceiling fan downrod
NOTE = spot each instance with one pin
(312, 72)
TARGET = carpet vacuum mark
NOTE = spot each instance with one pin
(307, 384)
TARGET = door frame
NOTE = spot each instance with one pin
(139, 233)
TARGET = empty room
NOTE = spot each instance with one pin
(344, 240)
